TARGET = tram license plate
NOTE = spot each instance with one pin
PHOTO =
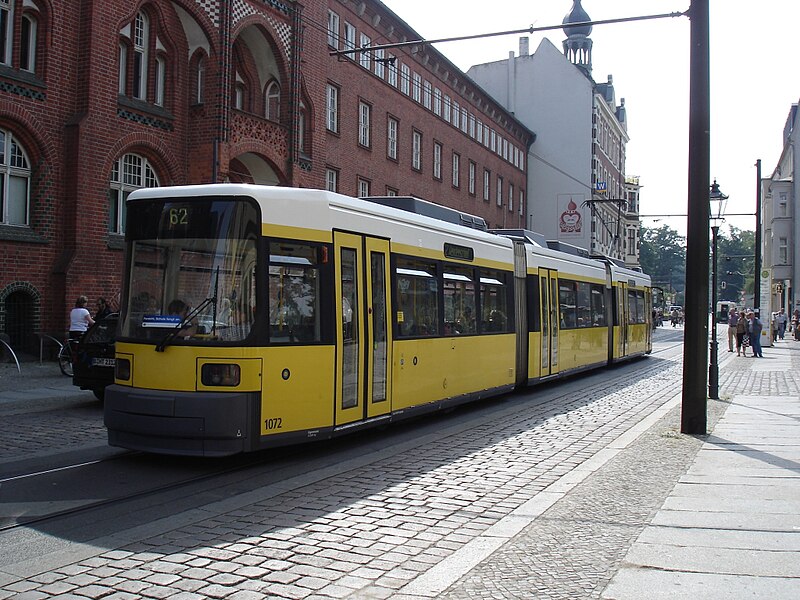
(104, 362)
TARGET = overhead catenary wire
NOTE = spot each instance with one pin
(529, 30)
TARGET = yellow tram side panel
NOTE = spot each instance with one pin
(298, 388)
(638, 338)
(428, 370)
(578, 348)
(534, 355)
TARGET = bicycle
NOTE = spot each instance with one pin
(65, 355)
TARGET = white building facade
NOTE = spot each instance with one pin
(577, 190)
(779, 226)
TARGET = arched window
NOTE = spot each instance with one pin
(130, 172)
(15, 177)
(272, 103)
(27, 43)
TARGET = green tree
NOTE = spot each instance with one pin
(735, 258)
(662, 255)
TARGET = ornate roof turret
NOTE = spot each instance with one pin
(578, 46)
(577, 15)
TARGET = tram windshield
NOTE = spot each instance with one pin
(192, 270)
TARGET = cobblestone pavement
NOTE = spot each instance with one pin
(67, 419)
(377, 528)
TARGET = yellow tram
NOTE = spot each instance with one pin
(261, 316)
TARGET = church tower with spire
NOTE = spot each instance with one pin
(578, 46)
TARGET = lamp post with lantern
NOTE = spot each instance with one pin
(716, 203)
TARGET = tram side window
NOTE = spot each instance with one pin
(598, 306)
(294, 293)
(459, 301)
(568, 302)
(494, 301)
(417, 298)
(636, 307)
(584, 304)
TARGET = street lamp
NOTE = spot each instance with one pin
(716, 203)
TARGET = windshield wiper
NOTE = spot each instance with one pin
(192, 314)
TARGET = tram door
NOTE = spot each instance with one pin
(363, 335)
(548, 287)
(623, 308)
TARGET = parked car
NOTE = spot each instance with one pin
(94, 362)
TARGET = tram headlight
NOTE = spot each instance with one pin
(213, 374)
(122, 369)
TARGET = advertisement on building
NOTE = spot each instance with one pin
(571, 218)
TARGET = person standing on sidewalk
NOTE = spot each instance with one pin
(754, 328)
(741, 332)
(780, 318)
(733, 319)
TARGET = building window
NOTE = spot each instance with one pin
(391, 138)
(446, 112)
(392, 70)
(437, 160)
(238, 96)
(365, 58)
(499, 191)
(464, 120)
(333, 29)
(437, 102)
(510, 197)
(363, 188)
(332, 109)
(199, 79)
(405, 79)
(349, 38)
(123, 69)
(161, 81)
(521, 202)
(456, 113)
(331, 180)
(471, 186)
(493, 138)
(472, 126)
(426, 94)
(364, 110)
(391, 191)
(15, 176)
(6, 28)
(380, 62)
(416, 150)
(27, 45)
(141, 43)
(456, 170)
(272, 104)
(416, 88)
(783, 251)
(631, 242)
(487, 175)
(130, 172)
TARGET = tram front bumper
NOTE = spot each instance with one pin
(182, 423)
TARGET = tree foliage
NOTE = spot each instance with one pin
(662, 255)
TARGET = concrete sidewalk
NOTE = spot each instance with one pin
(731, 526)
(36, 384)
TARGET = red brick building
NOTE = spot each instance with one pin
(100, 97)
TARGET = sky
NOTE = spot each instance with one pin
(754, 82)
